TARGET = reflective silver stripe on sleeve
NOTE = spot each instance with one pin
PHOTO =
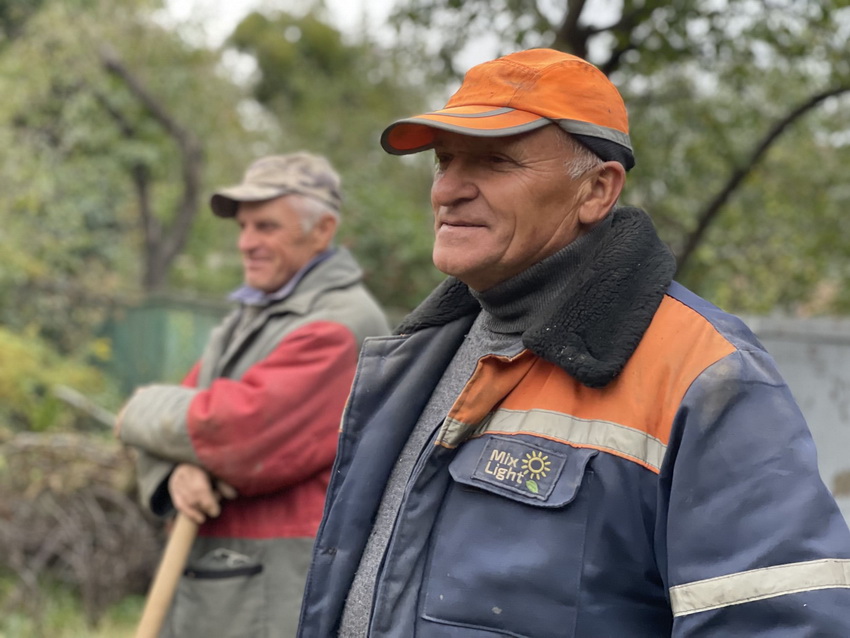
(601, 435)
(758, 584)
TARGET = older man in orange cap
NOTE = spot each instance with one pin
(561, 440)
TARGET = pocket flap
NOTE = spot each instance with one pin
(525, 469)
(223, 562)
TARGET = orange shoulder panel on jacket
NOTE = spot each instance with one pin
(678, 346)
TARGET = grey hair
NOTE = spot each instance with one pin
(582, 159)
(311, 210)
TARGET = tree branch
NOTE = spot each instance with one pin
(141, 180)
(712, 210)
(113, 64)
(163, 246)
(571, 36)
(624, 31)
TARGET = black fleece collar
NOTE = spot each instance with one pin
(594, 329)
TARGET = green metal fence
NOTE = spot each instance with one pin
(159, 339)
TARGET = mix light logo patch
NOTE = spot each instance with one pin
(519, 467)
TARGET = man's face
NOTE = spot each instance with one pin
(273, 243)
(501, 204)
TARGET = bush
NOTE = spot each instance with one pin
(29, 370)
(69, 516)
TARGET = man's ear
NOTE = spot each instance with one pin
(603, 188)
(324, 231)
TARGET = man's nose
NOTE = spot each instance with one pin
(247, 239)
(452, 184)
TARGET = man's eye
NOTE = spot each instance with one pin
(441, 161)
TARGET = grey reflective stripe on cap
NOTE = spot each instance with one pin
(592, 130)
(499, 111)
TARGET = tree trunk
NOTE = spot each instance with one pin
(162, 242)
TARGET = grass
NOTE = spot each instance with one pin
(62, 616)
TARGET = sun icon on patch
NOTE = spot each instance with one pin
(537, 464)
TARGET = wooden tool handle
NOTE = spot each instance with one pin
(167, 576)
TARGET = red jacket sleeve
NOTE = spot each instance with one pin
(279, 423)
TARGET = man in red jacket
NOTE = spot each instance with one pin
(256, 420)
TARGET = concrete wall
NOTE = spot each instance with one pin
(814, 357)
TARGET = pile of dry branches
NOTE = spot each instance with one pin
(68, 512)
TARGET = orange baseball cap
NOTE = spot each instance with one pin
(521, 92)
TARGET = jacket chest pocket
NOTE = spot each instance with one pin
(507, 549)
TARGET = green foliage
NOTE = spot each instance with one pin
(781, 244)
(293, 55)
(64, 617)
(389, 226)
(29, 370)
(75, 139)
(773, 246)
(447, 28)
(13, 16)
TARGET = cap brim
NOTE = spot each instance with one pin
(225, 202)
(415, 134)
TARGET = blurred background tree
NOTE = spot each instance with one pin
(105, 159)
